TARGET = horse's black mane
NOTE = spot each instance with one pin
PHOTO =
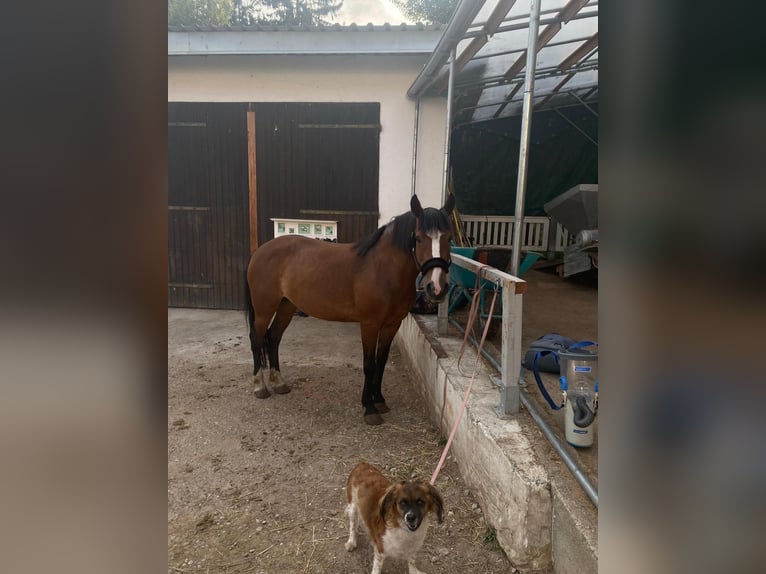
(402, 227)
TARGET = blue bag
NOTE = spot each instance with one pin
(549, 345)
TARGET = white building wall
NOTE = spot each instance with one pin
(334, 78)
(433, 115)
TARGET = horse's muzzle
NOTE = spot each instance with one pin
(431, 293)
(435, 276)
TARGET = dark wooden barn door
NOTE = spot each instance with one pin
(208, 244)
(318, 161)
(313, 161)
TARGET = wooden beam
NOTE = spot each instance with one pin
(507, 100)
(575, 56)
(498, 15)
(572, 8)
(545, 36)
(548, 32)
(489, 28)
(465, 56)
(565, 14)
(516, 67)
(469, 52)
(252, 181)
(558, 86)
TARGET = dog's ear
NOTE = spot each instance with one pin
(386, 501)
(436, 501)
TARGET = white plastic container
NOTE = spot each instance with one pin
(579, 370)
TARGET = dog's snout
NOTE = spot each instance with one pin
(411, 517)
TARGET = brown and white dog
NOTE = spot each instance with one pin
(393, 514)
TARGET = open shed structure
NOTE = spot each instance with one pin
(500, 62)
(490, 40)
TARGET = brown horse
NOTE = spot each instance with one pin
(371, 282)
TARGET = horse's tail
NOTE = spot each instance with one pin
(249, 309)
(261, 352)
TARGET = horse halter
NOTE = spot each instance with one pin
(429, 264)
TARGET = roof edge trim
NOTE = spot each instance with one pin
(457, 26)
(199, 43)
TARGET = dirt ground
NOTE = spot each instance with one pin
(258, 485)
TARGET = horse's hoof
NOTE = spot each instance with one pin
(382, 407)
(282, 389)
(373, 419)
(262, 393)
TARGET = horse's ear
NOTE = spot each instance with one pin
(449, 205)
(415, 206)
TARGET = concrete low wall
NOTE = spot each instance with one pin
(495, 456)
(575, 539)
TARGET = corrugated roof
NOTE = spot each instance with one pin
(319, 28)
(490, 40)
(296, 40)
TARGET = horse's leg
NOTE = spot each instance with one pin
(282, 319)
(259, 316)
(369, 345)
(258, 334)
(385, 338)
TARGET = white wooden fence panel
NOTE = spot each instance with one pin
(497, 231)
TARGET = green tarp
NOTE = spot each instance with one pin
(485, 158)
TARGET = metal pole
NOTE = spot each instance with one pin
(415, 146)
(576, 471)
(579, 475)
(526, 122)
(441, 320)
(448, 127)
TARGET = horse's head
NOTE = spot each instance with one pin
(433, 232)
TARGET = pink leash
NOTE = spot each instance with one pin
(471, 319)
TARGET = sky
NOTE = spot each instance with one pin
(366, 11)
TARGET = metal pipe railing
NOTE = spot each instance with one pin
(513, 290)
(415, 147)
(579, 475)
(573, 467)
